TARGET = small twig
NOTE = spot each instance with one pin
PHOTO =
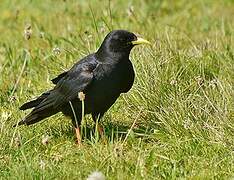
(94, 21)
(21, 73)
(73, 111)
(83, 109)
(81, 96)
(133, 124)
(96, 127)
(82, 117)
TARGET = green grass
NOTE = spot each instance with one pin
(181, 107)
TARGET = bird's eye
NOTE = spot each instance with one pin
(121, 39)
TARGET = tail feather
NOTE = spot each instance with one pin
(43, 108)
(30, 104)
(35, 102)
(30, 119)
(35, 117)
(44, 105)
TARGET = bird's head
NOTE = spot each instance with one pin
(118, 43)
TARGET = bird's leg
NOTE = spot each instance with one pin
(78, 135)
(101, 133)
(76, 123)
(100, 130)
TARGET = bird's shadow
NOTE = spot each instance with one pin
(113, 132)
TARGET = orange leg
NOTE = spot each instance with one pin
(78, 135)
(100, 130)
(101, 133)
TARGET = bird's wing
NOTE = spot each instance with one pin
(60, 76)
(67, 88)
(76, 80)
(88, 61)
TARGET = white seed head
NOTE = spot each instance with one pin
(200, 80)
(28, 32)
(96, 175)
(173, 82)
(81, 96)
(130, 11)
(41, 35)
(102, 29)
(12, 98)
(42, 164)
(45, 140)
(56, 51)
(213, 83)
(17, 141)
(5, 115)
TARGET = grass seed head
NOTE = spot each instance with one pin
(81, 96)
(173, 82)
(28, 32)
(45, 140)
(200, 80)
(96, 175)
(42, 164)
(56, 51)
(17, 141)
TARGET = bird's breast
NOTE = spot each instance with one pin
(109, 82)
(115, 78)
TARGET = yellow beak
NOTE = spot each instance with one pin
(140, 41)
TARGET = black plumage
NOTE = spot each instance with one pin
(101, 76)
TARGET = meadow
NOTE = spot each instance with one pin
(177, 122)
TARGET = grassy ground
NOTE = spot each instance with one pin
(177, 120)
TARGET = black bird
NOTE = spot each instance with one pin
(101, 77)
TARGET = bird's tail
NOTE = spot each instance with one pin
(37, 116)
(35, 102)
(43, 108)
